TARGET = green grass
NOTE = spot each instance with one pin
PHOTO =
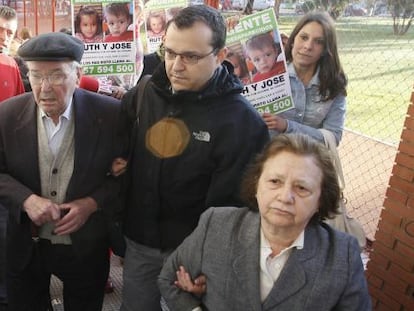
(380, 69)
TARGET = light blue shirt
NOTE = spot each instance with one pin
(56, 132)
(310, 113)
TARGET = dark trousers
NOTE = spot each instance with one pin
(3, 250)
(83, 279)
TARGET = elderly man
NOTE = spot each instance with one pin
(195, 135)
(56, 149)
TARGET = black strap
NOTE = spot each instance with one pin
(140, 94)
(139, 97)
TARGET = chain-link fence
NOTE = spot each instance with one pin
(380, 68)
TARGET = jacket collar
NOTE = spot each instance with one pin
(87, 132)
(247, 261)
(26, 134)
(246, 266)
(293, 276)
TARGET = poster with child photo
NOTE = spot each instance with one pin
(157, 13)
(106, 28)
(256, 51)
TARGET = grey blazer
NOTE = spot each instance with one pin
(327, 274)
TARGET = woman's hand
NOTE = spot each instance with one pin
(185, 283)
(274, 122)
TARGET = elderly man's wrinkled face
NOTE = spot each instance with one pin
(53, 84)
(288, 191)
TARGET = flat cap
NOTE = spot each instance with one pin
(53, 46)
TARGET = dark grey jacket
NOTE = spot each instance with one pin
(327, 274)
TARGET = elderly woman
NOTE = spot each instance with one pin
(276, 254)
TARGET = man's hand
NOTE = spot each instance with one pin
(76, 213)
(118, 92)
(119, 166)
(41, 210)
(184, 282)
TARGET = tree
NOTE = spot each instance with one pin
(402, 14)
(333, 7)
(249, 7)
(276, 7)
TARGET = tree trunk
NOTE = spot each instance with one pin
(249, 7)
(276, 8)
(401, 29)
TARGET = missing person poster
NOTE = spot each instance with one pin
(156, 15)
(108, 31)
(256, 52)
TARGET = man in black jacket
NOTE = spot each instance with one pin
(195, 135)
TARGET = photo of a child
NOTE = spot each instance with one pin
(117, 19)
(240, 66)
(171, 12)
(88, 24)
(263, 52)
(156, 23)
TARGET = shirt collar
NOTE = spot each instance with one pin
(298, 243)
(66, 114)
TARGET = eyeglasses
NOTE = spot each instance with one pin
(53, 79)
(186, 58)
